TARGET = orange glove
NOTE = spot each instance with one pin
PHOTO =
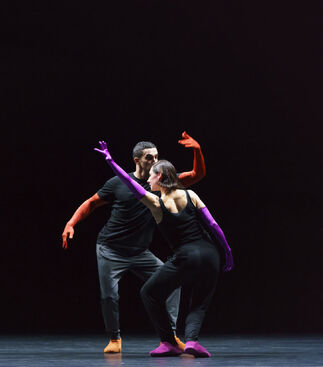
(189, 142)
(82, 212)
(68, 233)
(189, 178)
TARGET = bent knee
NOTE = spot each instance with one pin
(147, 291)
(144, 291)
(152, 292)
(108, 298)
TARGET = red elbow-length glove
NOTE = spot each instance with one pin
(189, 178)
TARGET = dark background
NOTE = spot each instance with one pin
(243, 78)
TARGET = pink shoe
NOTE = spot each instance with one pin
(196, 350)
(166, 350)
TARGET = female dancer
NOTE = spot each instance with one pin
(196, 260)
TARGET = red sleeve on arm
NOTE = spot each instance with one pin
(189, 178)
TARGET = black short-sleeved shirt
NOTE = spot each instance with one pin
(131, 226)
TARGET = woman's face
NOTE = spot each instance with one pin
(153, 180)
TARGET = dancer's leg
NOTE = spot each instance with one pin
(110, 268)
(154, 294)
(202, 289)
(145, 265)
(200, 297)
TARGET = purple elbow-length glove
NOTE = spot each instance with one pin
(134, 186)
(218, 233)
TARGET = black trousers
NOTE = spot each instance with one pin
(196, 266)
(111, 267)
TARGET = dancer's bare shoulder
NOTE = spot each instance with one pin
(195, 199)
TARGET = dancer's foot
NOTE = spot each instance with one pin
(196, 350)
(166, 350)
(180, 344)
(114, 346)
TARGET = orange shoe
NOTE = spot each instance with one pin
(180, 344)
(114, 346)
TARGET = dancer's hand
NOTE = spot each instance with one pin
(104, 150)
(228, 261)
(68, 233)
(189, 142)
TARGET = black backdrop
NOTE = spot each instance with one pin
(243, 78)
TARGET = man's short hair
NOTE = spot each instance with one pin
(139, 147)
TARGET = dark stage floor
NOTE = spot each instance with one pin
(87, 350)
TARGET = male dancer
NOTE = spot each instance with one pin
(123, 242)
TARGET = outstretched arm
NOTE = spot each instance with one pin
(189, 178)
(147, 198)
(215, 229)
(81, 213)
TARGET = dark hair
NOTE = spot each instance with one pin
(139, 147)
(169, 179)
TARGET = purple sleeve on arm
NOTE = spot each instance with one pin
(134, 186)
(218, 233)
(214, 227)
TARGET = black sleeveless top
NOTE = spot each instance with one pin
(182, 227)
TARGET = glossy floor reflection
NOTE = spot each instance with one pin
(87, 350)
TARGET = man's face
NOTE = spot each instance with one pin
(148, 158)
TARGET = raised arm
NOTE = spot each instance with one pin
(147, 198)
(83, 211)
(189, 178)
(214, 228)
